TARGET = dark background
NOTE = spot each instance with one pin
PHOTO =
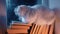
(11, 4)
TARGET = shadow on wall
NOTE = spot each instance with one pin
(12, 4)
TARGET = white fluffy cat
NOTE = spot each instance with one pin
(39, 15)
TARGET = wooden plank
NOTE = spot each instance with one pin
(34, 29)
(21, 24)
(20, 27)
(51, 29)
(37, 29)
(33, 26)
(40, 29)
(44, 29)
(47, 29)
(16, 31)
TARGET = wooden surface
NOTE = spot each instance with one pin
(18, 28)
(42, 29)
(23, 29)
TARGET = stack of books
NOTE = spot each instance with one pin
(18, 28)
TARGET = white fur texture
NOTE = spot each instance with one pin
(37, 14)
